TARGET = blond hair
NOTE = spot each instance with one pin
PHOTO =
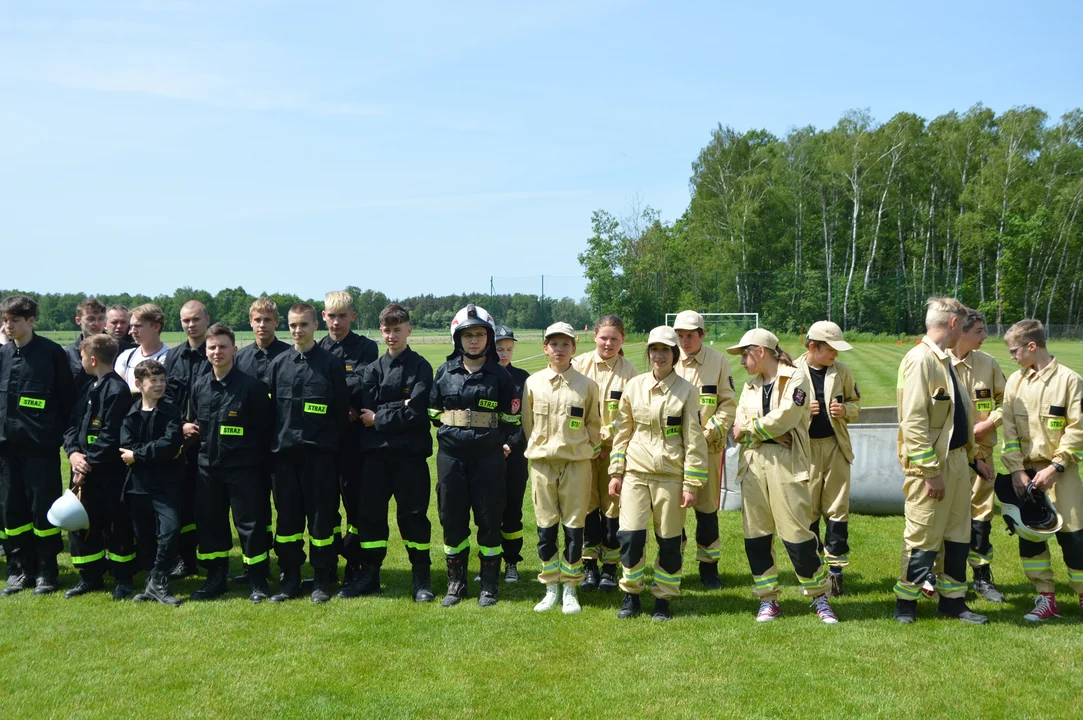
(150, 313)
(263, 305)
(1026, 331)
(941, 310)
(338, 300)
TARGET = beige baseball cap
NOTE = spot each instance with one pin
(830, 333)
(663, 334)
(560, 328)
(688, 320)
(755, 336)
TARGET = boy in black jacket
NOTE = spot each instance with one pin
(308, 389)
(150, 439)
(396, 442)
(511, 527)
(92, 442)
(233, 421)
(37, 393)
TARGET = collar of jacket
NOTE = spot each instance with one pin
(696, 356)
(968, 361)
(1045, 373)
(610, 363)
(299, 356)
(665, 383)
(458, 366)
(398, 359)
(553, 376)
(783, 371)
(940, 354)
(227, 379)
(201, 351)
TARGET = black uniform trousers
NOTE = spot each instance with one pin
(306, 489)
(511, 527)
(109, 542)
(156, 522)
(406, 477)
(350, 471)
(29, 484)
(186, 545)
(466, 483)
(241, 490)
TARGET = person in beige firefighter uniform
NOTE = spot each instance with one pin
(1043, 445)
(981, 376)
(562, 427)
(936, 447)
(834, 403)
(607, 366)
(773, 470)
(658, 464)
(709, 371)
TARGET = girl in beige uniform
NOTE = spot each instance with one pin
(607, 366)
(772, 425)
(658, 464)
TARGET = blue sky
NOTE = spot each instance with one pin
(424, 147)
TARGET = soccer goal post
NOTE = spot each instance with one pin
(724, 326)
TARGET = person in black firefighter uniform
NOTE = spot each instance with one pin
(311, 405)
(92, 443)
(184, 364)
(90, 317)
(356, 352)
(255, 359)
(233, 421)
(511, 527)
(470, 403)
(37, 393)
(396, 442)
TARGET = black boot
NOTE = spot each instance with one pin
(289, 587)
(906, 611)
(181, 569)
(47, 581)
(984, 586)
(629, 607)
(490, 574)
(609, 578)
(124, 587)
(158, 588)
(422, 584)
(456, 580)
(661, 610)
(368, 580)
(322, 591)
(88, 582)
(590, 575)
(257, 579)
(708, 575)
(956, 608)
(18, 577)
(216, 585)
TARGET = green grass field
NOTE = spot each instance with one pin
(387, 657)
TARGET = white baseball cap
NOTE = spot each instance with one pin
(755, 336)
(560, 328)
(688, 320)
(664, 335)
(830, 333)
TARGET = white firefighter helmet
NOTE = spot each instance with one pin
(68, 513)
(1032, 517)
(471, 316)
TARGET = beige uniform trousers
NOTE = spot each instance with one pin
(644, 498)
(829, 484)
(560, 490)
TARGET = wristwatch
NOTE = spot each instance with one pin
(1057, 466)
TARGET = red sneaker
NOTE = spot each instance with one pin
(824, 611)
(769, 610)
(928, 588)
(1045, 607)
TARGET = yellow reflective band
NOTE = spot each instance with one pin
(486, 551)
(47, 533)
(612, 405)
(315, 408)
(487, 404)
(1055, 423)
(299, 537)
(212, 555)
(912, 594)
(434, 414)
(188, 528)
(415, 546)
(32, 403)
(322, 542)
(3, 535)
(984, 406)
(512, 419)
(231, 430)
(511, 536)
(464, 545)
(13, 532)
(257, 559)
(352, 530)
(710, 400)
(120, 558)
(91, 439)
(83, 559)
(372, 544)
(575, 423)
(673, 430)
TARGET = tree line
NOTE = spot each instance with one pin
(56, 311)
(860, 223)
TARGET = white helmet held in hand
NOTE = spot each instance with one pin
(68, 513)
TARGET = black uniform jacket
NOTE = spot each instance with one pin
(75, 360)
(183, 366)
(156, 440)
(490, 389)
(235, 421)
(397, 391)
(356, 352)
(96, 422)
(37, 393)
(517, 441)
(311, 400)
(251, 360)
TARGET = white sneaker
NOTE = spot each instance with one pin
(552, 597)
(571, 601)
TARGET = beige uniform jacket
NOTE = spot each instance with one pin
(1042, 420)
(611, 376)
(838, 381)
(984, 380)
(560, 416)
(709, 371)
(789, 414)
(926, 399)
(658, 431)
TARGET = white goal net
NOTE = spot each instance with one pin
(724, 326)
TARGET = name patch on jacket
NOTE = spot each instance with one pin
(576, 420)
(613, 403)
(983, 400)
(32, 403)
(1058, 421)
(673, 425)
(91, 439)
(799, 397)
(709, 395)
(234, 430)
(315, 408)
(487, 404)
